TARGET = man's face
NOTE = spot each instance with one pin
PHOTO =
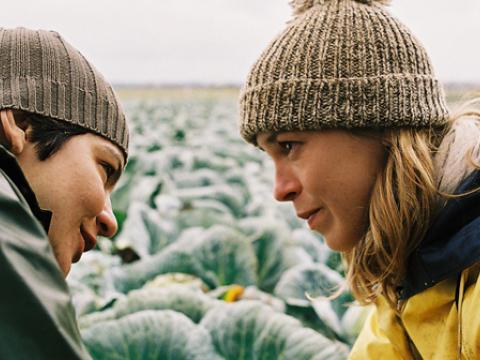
(75, 185)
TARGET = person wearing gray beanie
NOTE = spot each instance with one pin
(346, 104)
(63, 146)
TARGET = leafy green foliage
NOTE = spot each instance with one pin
(266, 239)
(306, 289)
(313, 279)
(249, 330)
(180, 298)
(218, 257)
(149, 335)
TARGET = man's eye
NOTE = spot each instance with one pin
(109, 170)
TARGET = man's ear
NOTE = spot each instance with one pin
(14, 134)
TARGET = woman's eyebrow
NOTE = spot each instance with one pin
(271, 139)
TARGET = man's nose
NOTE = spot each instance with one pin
(287, 186)
(106, 222)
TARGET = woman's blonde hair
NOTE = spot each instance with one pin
(422, 170)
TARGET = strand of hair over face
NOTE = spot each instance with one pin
(300, 6)
(402, 202)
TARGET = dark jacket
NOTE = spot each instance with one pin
(37, 318)
(452, 243)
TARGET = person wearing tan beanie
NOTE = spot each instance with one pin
(346, 104)
(63, 146)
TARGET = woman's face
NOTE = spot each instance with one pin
(328, 175)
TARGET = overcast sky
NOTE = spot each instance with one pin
(216, 41)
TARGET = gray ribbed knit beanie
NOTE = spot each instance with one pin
(341, 63)
(41, 73)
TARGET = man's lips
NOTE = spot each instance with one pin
(89, 239)
(88, 242)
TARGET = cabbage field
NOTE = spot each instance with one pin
(206, 265)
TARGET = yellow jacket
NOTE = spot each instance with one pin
(429, 323)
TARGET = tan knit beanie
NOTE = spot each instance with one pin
(41, 73)
(341, 63)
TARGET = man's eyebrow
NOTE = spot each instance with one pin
(116, 156)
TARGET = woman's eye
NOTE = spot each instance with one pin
(287, 146)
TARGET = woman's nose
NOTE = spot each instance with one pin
(106, 221)
(287, 186)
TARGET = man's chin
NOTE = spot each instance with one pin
(65, 266)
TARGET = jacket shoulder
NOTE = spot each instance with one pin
(470, 315)
(8, 190)
(431, 319)
(35, 300)
(16, 217)
(382, 336)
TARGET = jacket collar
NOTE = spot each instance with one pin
(451, 245)
(10, 167)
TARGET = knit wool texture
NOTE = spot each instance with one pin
(341, 64)
(41, 73)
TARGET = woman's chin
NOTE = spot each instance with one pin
(338, 243)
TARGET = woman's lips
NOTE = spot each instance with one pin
(311, 216)
(313, 219)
